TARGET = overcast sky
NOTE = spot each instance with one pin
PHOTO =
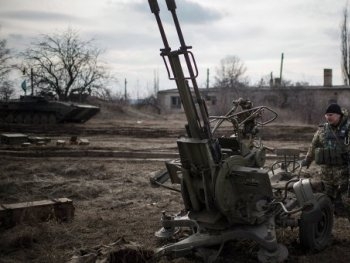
(257, 31)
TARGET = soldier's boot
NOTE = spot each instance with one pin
(340, 209)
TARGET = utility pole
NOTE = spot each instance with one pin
(156, 82)
(271, 79)
(125, 92)
(281, 69)
(207, 78)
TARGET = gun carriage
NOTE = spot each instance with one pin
(226, 191)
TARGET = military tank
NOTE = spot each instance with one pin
(39, 110)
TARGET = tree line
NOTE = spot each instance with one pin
(64, 66)
(61, 65)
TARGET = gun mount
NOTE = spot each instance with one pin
(227, 195)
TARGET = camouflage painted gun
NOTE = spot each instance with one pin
(226, 193)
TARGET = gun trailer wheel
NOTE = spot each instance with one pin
(316, 235)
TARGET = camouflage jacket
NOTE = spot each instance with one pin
(328, 136)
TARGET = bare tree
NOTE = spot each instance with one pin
(105, 94)
(6, 89)
(345, 59)
(231, 72)
(4, 59)
(265, 81)
(65, 65)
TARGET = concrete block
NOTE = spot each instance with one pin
(13, 138)
(61, 209)
(60, 142)
(84, 142)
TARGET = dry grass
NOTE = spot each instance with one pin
(113, 199)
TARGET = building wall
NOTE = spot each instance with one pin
(298, 104)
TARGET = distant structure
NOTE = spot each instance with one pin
(327, 77)
(304, 103)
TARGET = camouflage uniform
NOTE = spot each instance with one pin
(334, 176)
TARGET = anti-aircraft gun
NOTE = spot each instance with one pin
(226, 193)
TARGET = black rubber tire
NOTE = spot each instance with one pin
(315, 236)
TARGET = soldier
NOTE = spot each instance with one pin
(329, 148)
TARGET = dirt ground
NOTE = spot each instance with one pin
(112, 195)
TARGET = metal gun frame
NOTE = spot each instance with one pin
(226, 194)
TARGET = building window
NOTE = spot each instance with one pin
(175, 102)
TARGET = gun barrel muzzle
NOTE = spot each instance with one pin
(153, 4)
(171, 5)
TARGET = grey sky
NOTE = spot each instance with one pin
(257, 31)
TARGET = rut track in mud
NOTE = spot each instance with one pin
(78, 129)
(147, 140)
(90, 153)
(134, 155)
(272, 132)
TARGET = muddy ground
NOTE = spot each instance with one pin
(112, 194)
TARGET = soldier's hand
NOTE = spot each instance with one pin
(305, 163)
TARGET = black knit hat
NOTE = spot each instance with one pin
(334, 108)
